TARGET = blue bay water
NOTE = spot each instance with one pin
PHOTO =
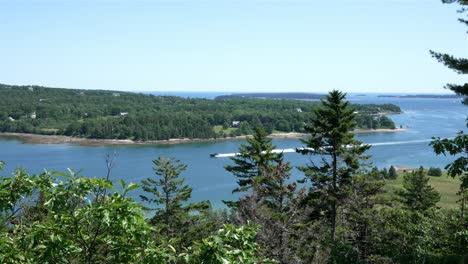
(423, 119)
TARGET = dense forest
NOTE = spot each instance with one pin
(123, 115)
(296, 96)
(341, 211)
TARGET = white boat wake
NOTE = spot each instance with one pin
(293, 150)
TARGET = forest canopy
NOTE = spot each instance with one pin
(122, 115)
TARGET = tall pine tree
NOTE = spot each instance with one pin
(341, 156)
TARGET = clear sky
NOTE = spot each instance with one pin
(236, 45)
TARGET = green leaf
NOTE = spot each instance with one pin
(122, 183)
(132, 186)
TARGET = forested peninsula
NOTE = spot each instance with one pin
(99, 114)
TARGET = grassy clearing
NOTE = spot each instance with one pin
(446, 186)
(228, 131)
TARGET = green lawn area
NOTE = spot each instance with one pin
(446, 186)
(228, 131)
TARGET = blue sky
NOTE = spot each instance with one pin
(237, 45)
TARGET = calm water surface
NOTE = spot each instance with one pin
(423, 118)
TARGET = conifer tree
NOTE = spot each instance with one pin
(361, 213)
(272, 202)
(417, 194)
(168, 192)
(254, 158)
(392, 175)
(384, 173)
(341, 154)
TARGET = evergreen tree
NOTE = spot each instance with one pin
(392, 174)
(275, 205)
(273, 202)
(168, 192)
(330, 138)
(254, 157)
(417, 194)
(361, 214)
(384, 173)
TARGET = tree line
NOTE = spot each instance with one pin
(122, 115)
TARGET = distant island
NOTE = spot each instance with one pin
(115, 115)
(439, 96)
(289, 96)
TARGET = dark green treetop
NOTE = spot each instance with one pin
(417, 194)
(254, 158)
(341, 154)
(392, 175)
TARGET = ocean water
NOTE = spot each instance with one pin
(423, 119)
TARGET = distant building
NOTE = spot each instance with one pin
(115, 94)
(299, 110)
(123, 113)
(31, 89)
(33, 115)
(11, 118)
(235, 123)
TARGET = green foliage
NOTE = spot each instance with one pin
(392, 174)
(360, 214)
(232, 244)
(437, 172)
(103, 115)
(455, 146)
(60, 218)
(417, 194)
(384, 173)
(407, 236)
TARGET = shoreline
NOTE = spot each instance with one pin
(55, 139)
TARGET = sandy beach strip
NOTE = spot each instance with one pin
(54, 139)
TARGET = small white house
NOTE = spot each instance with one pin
(299, 110)
(123, 113)
(33, 115)
(31, 89)
(115, 94)
(235, 123)
(11, 118)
